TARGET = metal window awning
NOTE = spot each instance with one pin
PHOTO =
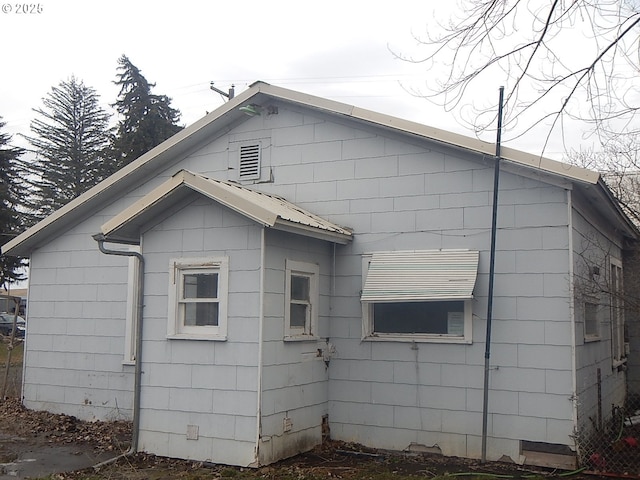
(421, 275)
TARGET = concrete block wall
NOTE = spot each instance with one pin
(203, 384)
(396, 194)
(294, 376)
(76, 320)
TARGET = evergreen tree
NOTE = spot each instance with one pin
(147, 119)
(70, 141)
(12, 221)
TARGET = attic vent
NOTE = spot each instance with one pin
(249, 162)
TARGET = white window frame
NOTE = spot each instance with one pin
(591, 336)
(175, 326)
(133, 274)
(312, 272)
(616, 291)
(368, 333)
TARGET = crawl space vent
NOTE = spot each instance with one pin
(249, 162)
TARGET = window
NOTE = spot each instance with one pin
(301, 300)
(198, 298)
(249, 164)
(423, 295)
(618, 333)
(591, 323)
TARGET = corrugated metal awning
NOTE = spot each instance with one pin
(421, 275)
(268, 210)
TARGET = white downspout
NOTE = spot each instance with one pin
(260, 342)
(572, 319)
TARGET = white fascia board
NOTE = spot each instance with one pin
(137, 208)
(309, 231)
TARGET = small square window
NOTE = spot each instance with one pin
(198, 298)
(301, 300)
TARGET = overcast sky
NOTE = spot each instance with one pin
(341, 50)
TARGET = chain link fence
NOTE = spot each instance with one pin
(614, 446)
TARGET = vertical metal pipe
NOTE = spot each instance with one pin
(492, 261)
(263, 256)
(135, 434)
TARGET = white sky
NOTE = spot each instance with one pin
(337, 49)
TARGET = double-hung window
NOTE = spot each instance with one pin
(198, 298)
(301, 300)
(423, 295)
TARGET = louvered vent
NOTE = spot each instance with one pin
(249, 162)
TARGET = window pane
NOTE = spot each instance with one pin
(438, 318)
(590, 319)
(201, 285)
(299, 288)
(197, 314)
(298, 317)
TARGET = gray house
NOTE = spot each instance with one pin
(291, 267)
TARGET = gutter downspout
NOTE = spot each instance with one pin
(135, 434)
(572, 319)
(260, 342)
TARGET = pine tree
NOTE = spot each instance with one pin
(147, 119)
(70, 140)
(12, 221)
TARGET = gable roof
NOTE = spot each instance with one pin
(228, 115)
(267, 210)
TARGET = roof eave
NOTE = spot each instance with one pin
(430, 133)
(138, 170)
(338, 237)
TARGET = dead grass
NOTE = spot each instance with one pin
(334, 460)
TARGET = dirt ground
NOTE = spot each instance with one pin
(333, 460)
(23, 430)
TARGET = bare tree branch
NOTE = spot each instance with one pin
(577, 59)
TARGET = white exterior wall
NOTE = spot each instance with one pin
(76, 319)
(211, 385)
(74, 354)
(395, 196)
(295, 376)
(593, 248)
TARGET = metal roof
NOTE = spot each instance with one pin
(220, 121)
(267, 210)
(421, 275)
(427, 132)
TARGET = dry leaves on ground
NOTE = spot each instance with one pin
(18, 421)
